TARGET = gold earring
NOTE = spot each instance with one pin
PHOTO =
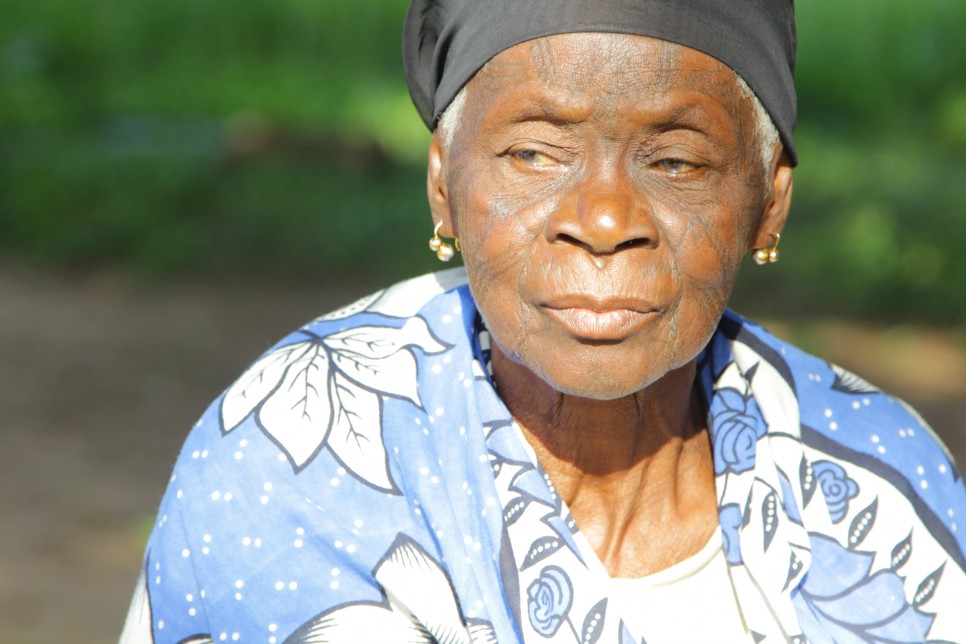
(444, 251)
(768, 255)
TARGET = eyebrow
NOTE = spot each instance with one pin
(545, 112)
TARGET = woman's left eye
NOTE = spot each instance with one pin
(675, 166)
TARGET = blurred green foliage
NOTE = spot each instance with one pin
(241, 138)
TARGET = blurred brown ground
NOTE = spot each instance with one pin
(101, 378)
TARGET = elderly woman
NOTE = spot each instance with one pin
(572, 441)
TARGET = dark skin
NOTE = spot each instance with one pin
(605, 188)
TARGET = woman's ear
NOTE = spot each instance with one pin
(778, 204)
(436, 188)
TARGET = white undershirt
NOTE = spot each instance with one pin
(692, 601)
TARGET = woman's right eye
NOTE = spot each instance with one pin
(533, 158)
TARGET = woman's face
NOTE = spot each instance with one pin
(604, 189)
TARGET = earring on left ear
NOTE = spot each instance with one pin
(768, 255)
(444, 251)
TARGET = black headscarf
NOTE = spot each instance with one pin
(445, 42)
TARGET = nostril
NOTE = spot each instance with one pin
(632, 243)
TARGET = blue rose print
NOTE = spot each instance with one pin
(729, 518)
(840, 601)
(549, 600)
(837, 488)
(736, 426)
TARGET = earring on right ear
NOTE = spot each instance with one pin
(444, 251)
(767, 255)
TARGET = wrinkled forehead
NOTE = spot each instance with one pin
(574, 78)
(606, 62)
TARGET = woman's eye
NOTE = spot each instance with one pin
(675, 166)
(532, 157)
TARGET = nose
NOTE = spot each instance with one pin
(604, 216)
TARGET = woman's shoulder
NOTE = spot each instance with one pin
(844, 416)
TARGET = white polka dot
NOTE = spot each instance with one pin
(334, 482)
(924, 484)
(920, 470)
(239, 456)
(267, 486)
(881, 449)
(228, 496)
(437, 368)
(179, 494)
(202, 593)
(204, 453)
(875, 438)
(160, 624)
(297, 543)
(279, 585)
(206, 550)
(264, 499)
(292, 585)
(238, 596)
(243, 442)
(357, 523)
(195, 454)
(340, 471)
(192, 611)
(950, 513)
(435, 480)
(440, 411)
(942, 468)
(447, 359)
(185, 553)
(338, 544)
(350, 548)
(235, 636)
(447, 319)
(206, 538)
(865, 401)
(157, 580)
(856, 404)
(271, 640)
(335, 572)
(457, 309)
(281, 456)
(223, 637)
(247, 541)
(833, 425)
(189, 597)
(272, 628)
(299, 531)
(215, 495)
(828, 413)
(334, 584)
(239, 583)
(258, 542)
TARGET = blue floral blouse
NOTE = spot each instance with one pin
(363, 482)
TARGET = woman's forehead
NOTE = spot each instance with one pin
(568, 78)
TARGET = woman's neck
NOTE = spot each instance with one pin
(636, 471)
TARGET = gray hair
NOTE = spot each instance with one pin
(765, 130)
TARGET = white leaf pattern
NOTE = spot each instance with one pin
(417, 585)
(356, 435)
(392, 375)
(257, 383)
(298, 414)
(347, 623)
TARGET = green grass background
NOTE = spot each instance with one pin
(249, 139)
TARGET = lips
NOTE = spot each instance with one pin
(599, 319)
